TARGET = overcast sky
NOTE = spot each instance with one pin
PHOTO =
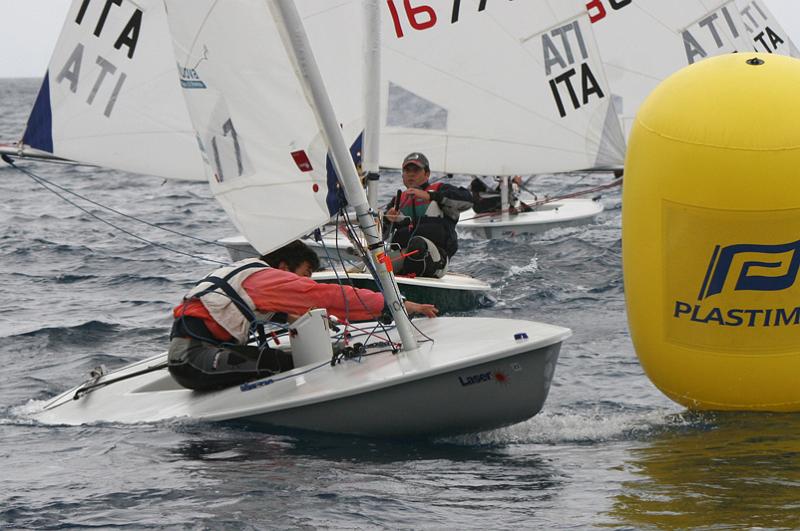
(29, 28)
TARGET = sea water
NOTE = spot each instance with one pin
(607, 451)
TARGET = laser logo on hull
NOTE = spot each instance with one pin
(497, 376)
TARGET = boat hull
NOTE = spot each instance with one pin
(483, 397)
(564, 213)
(479, 374)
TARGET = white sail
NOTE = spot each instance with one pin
(110, 96)
(764, 30)
(495, 88)
(262, 148)
(642, 42)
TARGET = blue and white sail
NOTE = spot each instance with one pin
(110, 96)
(495, 88)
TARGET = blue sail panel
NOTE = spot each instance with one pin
(335, 198)
(39, 131)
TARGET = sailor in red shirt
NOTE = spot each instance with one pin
(213, 323)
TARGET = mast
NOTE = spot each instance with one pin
(372, 99)
(298, 47)
(505, 185)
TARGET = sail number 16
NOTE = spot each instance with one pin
(421, 16)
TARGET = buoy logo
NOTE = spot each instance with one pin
(732, 279)
(760, 268)
(745, 268)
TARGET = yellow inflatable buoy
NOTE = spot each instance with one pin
(711, 234)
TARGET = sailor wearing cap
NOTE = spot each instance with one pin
(422, 219)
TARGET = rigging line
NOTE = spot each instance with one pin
(410, 321)
(571, 185)
(336, 273)
(613, 183)
(400, 296)
(352, 236)
(88, 387)
(115, 211)
(374, 333)
(367, 262)
(41, 182)
(344, 268)
(269, 380)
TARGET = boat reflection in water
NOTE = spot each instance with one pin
(731, 470)
(331, 481)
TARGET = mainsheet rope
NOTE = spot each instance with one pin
(46, 184)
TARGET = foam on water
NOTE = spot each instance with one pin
(593, 427)
(24, 412)
(531, 267)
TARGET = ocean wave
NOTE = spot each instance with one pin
(127, 279)
(86, 332)
(71, 278)
(584, 427)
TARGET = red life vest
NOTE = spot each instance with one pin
(415, 207)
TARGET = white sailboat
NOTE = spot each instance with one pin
(474, 374)
(527, 97)
(542, 216)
